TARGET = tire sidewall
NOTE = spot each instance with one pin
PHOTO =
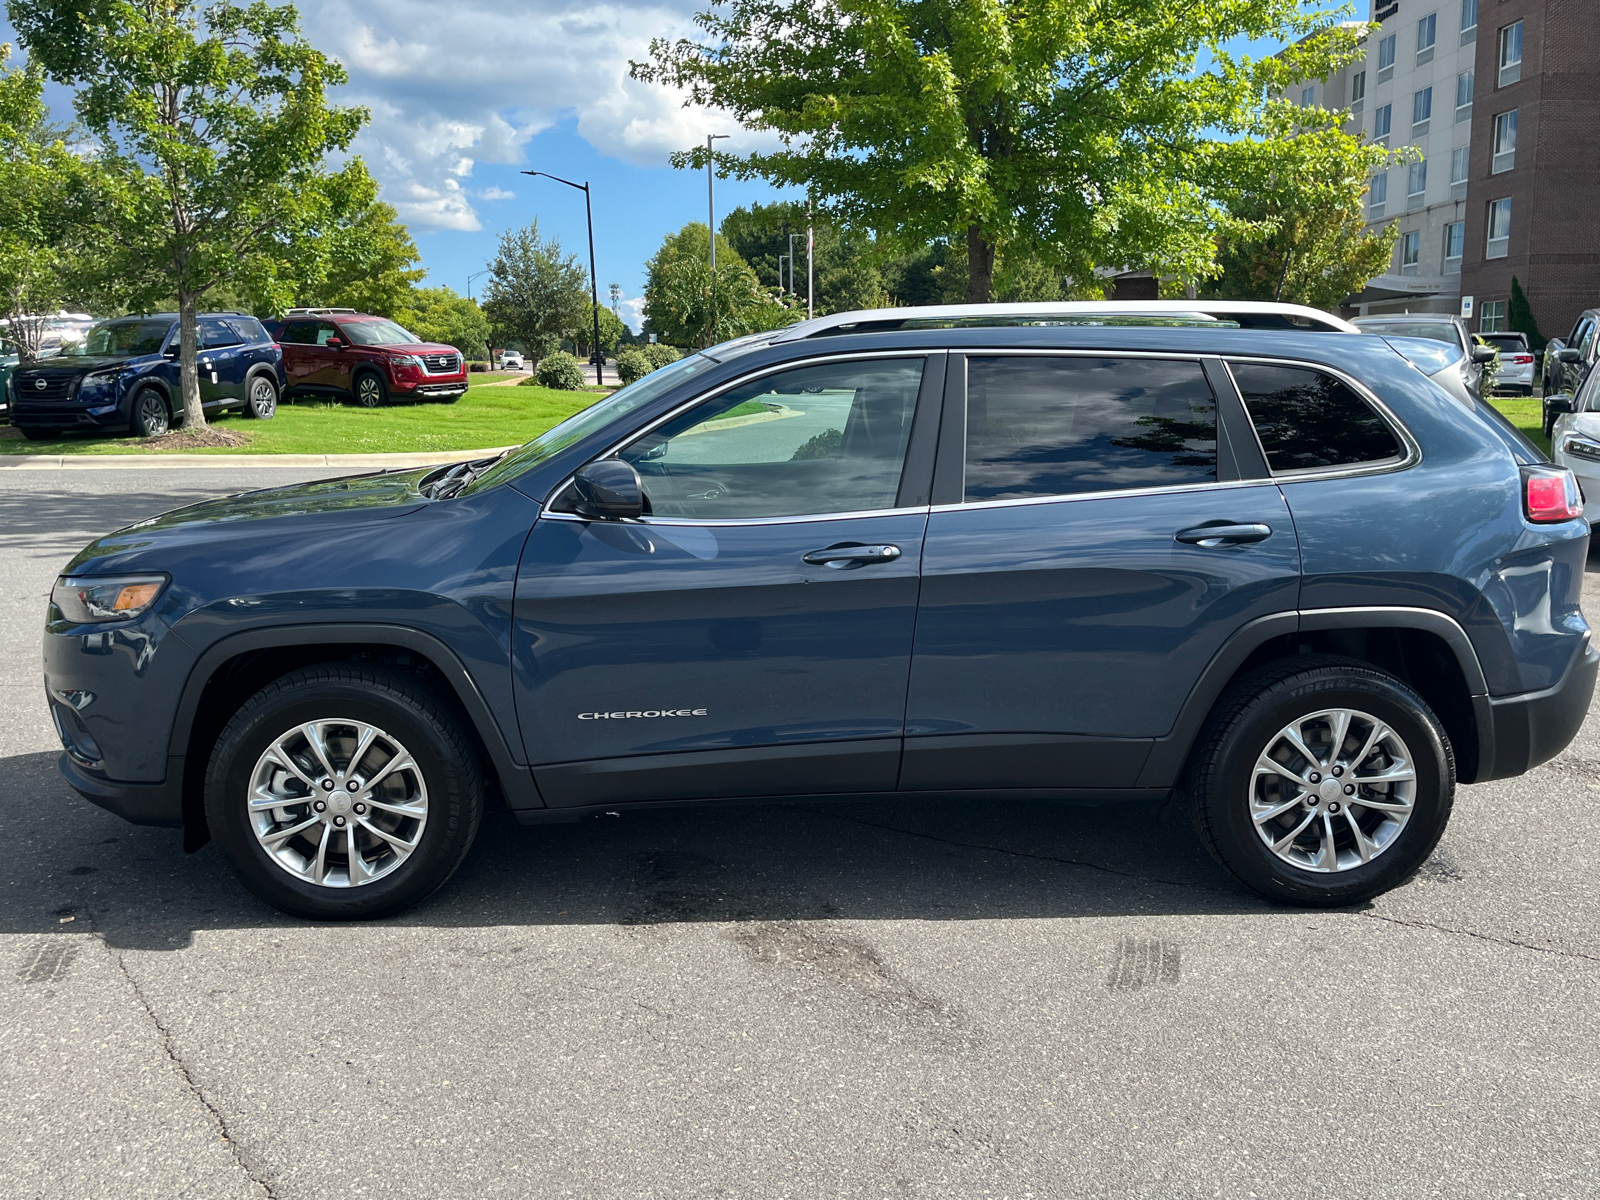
(140, 398)
(450, 796)
(382, 390)
(1254, 862)
(250, 402)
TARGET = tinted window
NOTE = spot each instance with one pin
(249, 329)
(1307, 419)
(299, 333)
(133, 337)
(1513, 342)
(214, 331)
(829, 438)
(1040, 426)
(378, 333)
(326, 330)
(1438, 331)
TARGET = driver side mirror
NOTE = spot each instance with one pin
(608, 490)
(1559, 404)
(334, 343)
(1483, 354)
(1570, 354)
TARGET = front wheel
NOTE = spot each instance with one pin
(261, 402)
(371, 392)
(342, 792)
(149, 414)
(1322, 782)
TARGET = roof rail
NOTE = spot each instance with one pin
(321, 312)
(1249, 314)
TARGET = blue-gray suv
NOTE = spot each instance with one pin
(123, 377)
(1264, 565)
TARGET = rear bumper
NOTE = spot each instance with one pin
(140, 803)
(1524, 731)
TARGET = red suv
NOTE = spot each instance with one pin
(340, 353)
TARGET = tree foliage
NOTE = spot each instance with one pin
(440, 315)
(537, 294)
(611, 331)
(1078, 134)
(1520, 318)
(689, 306)
(213, 130)
(370, 259)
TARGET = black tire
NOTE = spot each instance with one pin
(1244, 726)
(148, 414)
(396, 703)
(41, 435)
(370, 391)
(261, 398)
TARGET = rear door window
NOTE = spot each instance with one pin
(298, 333)
(215, 332)
(1058, 426)
(1307, 419)
(249, 329)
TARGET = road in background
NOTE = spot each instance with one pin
(846, 1000)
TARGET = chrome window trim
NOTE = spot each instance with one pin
(735, 522)
(1110, 494)
(774, 369)
(1413, 449)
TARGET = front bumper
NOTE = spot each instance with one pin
(140, 803)
(66, 416)
(433, 391)
(1517, 733)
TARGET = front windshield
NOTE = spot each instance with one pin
(129, 338)
(378, 333)
(1435, 331)
(592, 419)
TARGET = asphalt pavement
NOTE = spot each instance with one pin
(892, 999)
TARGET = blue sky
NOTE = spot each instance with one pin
(466, 94)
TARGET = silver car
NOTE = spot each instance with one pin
(1516, 362)
(1463, 376)
(1575, 432)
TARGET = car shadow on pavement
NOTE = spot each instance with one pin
(77, 869)
(29, 519)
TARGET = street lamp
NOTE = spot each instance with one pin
(792, 237)
(473, 276)
(594, 284)
(711, 200)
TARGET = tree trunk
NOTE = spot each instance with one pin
(194, 416)
(980, 266)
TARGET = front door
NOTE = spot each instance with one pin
(1071, 596)
(221, 363)
(751, 635)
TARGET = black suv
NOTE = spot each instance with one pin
(123, 376)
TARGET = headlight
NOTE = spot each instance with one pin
(1582, 447)
(118, 598)
(405, 360)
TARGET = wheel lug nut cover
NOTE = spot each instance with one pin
(1315, 778)
(338, 820)
(353, 786)
(1349, 789)
(327, 785)
(319, 806)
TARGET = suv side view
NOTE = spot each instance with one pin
(122, 377)
(345, 355)
(1567, 360)
(1052, 551)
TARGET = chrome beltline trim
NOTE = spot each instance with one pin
(682, 523)
(1117, 493)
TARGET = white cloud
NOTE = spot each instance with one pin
(632, 313)
(496, 193)
(477, 85)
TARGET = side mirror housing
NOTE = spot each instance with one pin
(1571, 354)
(608, 490)
(334, 343)
(1559, 403)
(1483, 354)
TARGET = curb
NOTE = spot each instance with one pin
(233, 462)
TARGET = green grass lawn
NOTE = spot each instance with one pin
(484, 417)
(1525, 413)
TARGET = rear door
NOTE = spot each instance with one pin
(222, 363)
(752, 635)
(1072, 594)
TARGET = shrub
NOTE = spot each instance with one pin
(825, 445)
(660, 355)
(477, 366)
(632, 364)
(530, 381)
(561, 371)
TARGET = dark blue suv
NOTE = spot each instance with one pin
(1020, 551)
(123, 377)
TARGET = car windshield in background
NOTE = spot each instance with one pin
(378, 333)
(1437, 331)
(131, 338)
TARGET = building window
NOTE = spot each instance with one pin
(1464, 82)
(1426, 29)
(1455, 240)
(1380, 123)
(1308, 97)
(1386, 57)
(1358, 90)
(1505, 142)
(1499, 228)
(1510, 54)
(1410, 251)
(1458, 171)
(1421, 110)
(1416, 183)
(1378, 194)
(1469, 21)
(1492, 316)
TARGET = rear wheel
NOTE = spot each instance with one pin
(371, 391)
(150, 417)
(261, 400)
(1322, 782)
(343, 793)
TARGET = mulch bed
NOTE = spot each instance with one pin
(198, 439)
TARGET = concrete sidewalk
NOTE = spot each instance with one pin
(354, 462)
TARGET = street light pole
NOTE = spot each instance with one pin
(475, 275)
(594, 279)
(792, 237)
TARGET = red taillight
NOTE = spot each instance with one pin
(1550, 494)
(1522, 360)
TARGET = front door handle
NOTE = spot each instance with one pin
(1211, 536)
(852, 555)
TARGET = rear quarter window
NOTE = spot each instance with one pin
(249, 329)
(1307, 419)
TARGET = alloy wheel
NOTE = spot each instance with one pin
(337, 803)
(263, 397)
(369, 392)
(1332, 790)
(150, 415)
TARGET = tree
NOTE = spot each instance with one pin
(1299, 231)
(45, 202)
(611, 332)
(537, 295)
(370, 261)
(213, 129)
(687, 306)
(1519, 317)
(846, 271)
(440, 315)
(1082, 134)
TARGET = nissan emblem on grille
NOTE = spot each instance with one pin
(40, 384)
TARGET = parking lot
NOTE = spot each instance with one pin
(844, 1000)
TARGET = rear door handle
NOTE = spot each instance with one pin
(1211, 536)
(854, 555)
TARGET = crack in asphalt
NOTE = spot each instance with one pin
(193, 1084)
(1482, 937)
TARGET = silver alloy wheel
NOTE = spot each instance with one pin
(337, 803)
(263, 397)
(150, 414)
(1332, 790)
(369, 391)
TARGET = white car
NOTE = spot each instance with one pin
(511, 361)
(1575, 436)
(1516, 362)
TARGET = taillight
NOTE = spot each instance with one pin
(1522, 360)
(1550, 494)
